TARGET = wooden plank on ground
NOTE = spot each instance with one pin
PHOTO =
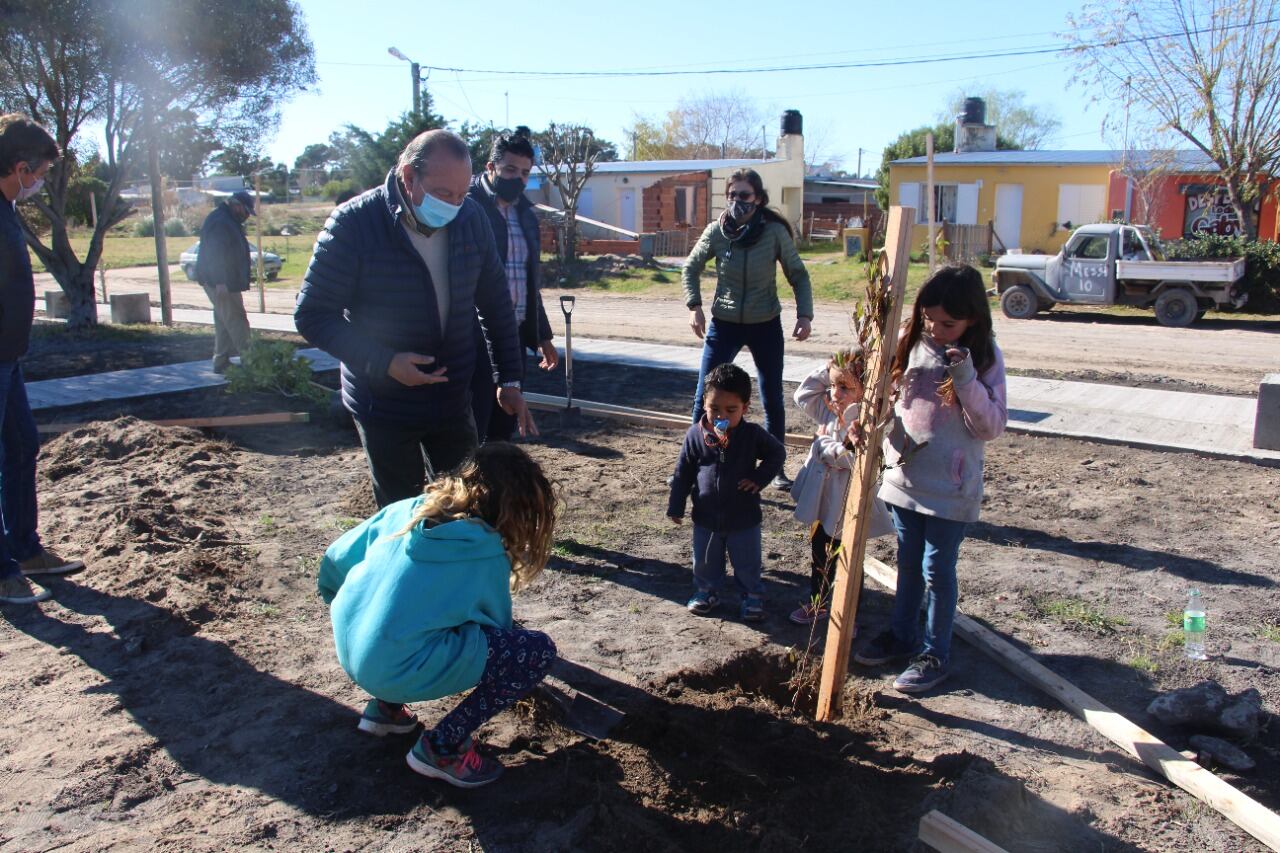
(1245, 812)
(949, 836)
(645, 417)
(268, 419)
(866, 472)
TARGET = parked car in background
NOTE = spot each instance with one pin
(1111, 264)
(271, 263)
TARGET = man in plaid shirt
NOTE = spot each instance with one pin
(500, 192)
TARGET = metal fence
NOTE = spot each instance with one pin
(672, 243)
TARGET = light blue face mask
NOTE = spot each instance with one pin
(434, 212)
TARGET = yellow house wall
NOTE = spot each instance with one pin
(1039, 182)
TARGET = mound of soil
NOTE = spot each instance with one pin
(154, 504)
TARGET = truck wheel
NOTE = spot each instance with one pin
(1019, 302)
(1176, 307)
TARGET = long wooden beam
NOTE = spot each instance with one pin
(866, 472)
(645, 417)
(202, 423)
(1238, 807)
(950, 836)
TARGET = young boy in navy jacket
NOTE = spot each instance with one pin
(724, 464)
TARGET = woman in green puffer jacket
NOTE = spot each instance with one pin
(748, 242)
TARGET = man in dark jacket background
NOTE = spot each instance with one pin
(500, 191)
(398, 278)
(26, 153)
(222, 268)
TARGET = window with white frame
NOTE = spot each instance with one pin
(956, 204)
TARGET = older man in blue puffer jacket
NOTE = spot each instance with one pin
(398, 277)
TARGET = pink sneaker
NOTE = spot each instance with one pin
(807, 614)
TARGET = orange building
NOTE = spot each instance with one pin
(1183, 199)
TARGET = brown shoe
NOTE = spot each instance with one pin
(18, 590)
(49, 563)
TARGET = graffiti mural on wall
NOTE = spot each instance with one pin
(1209, 212)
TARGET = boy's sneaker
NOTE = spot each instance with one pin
(923, 674)
(18, 590)
(702, 603)
(48, 563)
(782, 482)
(752, 609)
(382, 718)
(884, 648)
(467, 769)
(807, 614)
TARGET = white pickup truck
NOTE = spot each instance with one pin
(1111, 264)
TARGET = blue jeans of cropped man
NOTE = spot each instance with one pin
(722, 344)
(928, 548)
(19, 446)
(743, 548)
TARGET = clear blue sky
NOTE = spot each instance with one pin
(844, 109)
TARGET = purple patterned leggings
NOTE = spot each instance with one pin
(517, 661)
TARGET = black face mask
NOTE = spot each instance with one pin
(740, 210)
(507, 189)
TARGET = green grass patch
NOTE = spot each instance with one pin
(1078, 615)
(1143, 663)
(345, 524)
(568, 548)
(1172, 640)
(110, 333)
(1269, 631)
(267, 521)
(269, 611)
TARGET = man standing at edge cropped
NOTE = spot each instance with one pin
(26, 153)
(394, 287)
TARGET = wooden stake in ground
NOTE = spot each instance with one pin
(857, 508)
(257, 220)
(1245, 812)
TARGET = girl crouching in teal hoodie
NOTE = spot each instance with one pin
(420, 598)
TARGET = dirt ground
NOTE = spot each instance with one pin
(182, 693)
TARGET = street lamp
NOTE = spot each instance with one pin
(414, 72)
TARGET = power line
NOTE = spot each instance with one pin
(832, 66)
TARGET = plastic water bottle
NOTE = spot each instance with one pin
(1193, 627)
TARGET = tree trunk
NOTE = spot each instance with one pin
(83, 311)
(157, 218)
(1244, 212)
(570, 235)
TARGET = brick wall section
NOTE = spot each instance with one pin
(592, 247)
(660, 202)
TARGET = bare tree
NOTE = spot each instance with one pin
(1207, 70)
(126, 65)
(569, 153)
(1023, 125)
(717, 124)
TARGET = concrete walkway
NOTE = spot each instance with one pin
(1211, 424)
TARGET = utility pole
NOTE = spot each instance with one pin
(764, 144)
(416, 78)
(860, 150)
(257, 221)
(506, 97)
(929, 205)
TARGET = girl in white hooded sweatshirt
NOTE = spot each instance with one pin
(951, 400)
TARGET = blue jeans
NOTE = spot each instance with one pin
(19, 446)
(723, 343)
(928, 547)
(709, 550)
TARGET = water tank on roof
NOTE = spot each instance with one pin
(975, 111)
(792, 123)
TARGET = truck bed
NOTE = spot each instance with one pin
(1225, 271)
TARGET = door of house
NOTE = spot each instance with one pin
(1008, 222)
(627, 208)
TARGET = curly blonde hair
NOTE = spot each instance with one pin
(502, 486)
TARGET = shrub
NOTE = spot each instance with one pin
(144, 227)
(1262, 264)
(333, 189)
(271, 366)
(174, 228)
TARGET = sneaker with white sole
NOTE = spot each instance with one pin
(752, 609)
(807, 614)
(48, 563)
(702, 602)
(467, 769)
(384, 718)
(885, 647)
(16, 589)
(924, 673)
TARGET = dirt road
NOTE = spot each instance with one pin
(1215, 355)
